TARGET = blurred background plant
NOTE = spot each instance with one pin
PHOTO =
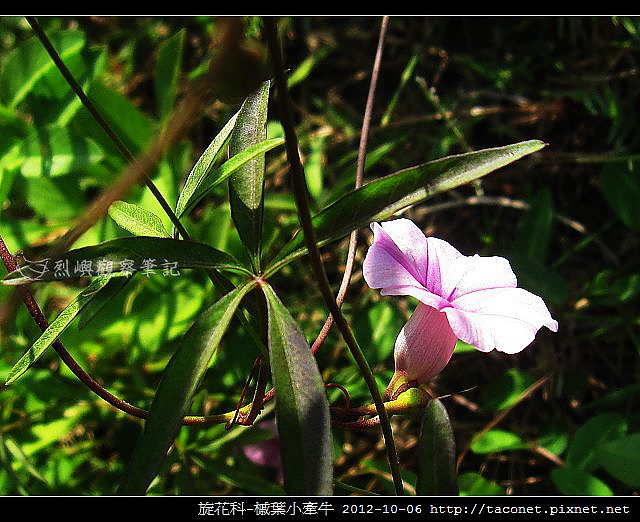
(561, 417)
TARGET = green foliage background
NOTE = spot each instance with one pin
(567, 218)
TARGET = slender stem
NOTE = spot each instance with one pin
(301, 197)
(97, 116)
(362, 155)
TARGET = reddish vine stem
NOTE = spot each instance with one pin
(362, 154)
(65, 356)
(347, 397)
(245, 389)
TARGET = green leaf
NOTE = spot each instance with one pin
(302, 409)
(19, 457)
(228, 168)
(167, 71)
(313, 166)
(620, 183)
(29, 62)
(554, 437)
(55, 151)
(127, 255)
(534, 230)
(204, 166)
(56, 328)
(576, 482)
(436, 453)
(101, 299)
(134, 127)
(247, 183)
(376, 329)
(250, 482)
(539, 279)
(504, 391)
(591, 436)
(474, 484)
(304, 69)
(6, 182)
(175, 392)
(383, 197)
(495, 441)
(137, 220)
(54, 199)
(55, 102)
(621, 459)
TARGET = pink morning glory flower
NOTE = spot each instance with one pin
(474, 299)
(266, 452)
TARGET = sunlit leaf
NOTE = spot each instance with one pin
(137, 220)
(302, 409)
(497, 440)
(203, 167)
(55, 151)
(29, 62)
(246, 183)
(100, 300)
(576, 482)
(474, 484)
(227, 169)
(56, 328)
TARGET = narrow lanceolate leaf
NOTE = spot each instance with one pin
(137, 220)
(302, 409)
(204, 166)
(127, 255)
(383, 197)
(246, 184)
(228, 168)
(436, 453)
(175, 392)
(56, 328)
(101, 299)
(167, 72)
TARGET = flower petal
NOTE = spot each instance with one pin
(442, 269)
(266, 452)
(477, 273)
(505, 319)
(420, 293)
(397, 257)
(424, 345)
